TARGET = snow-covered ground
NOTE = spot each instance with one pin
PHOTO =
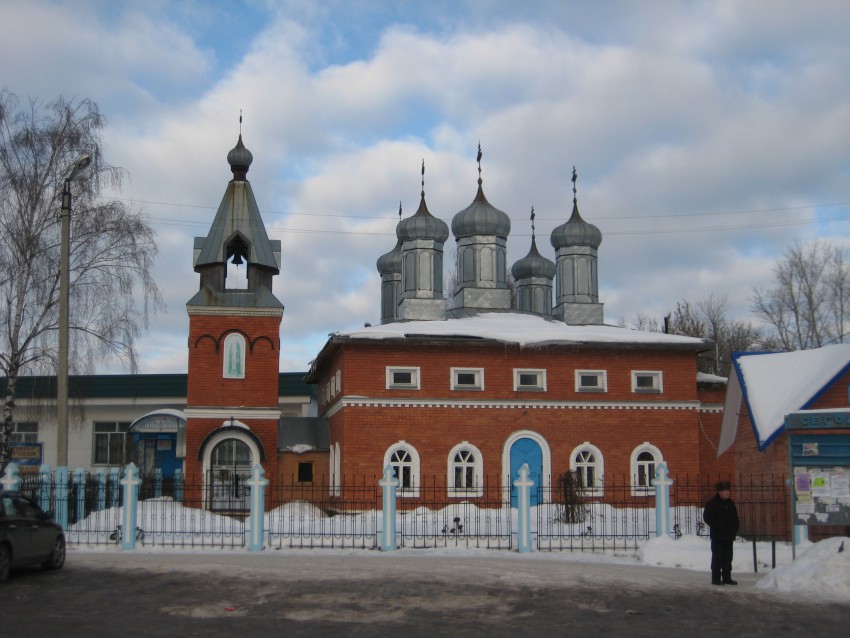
(820, 570)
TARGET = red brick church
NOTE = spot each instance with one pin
(452, 393)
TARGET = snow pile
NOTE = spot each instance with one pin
(823, 570)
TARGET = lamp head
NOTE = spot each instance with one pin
(81, 163)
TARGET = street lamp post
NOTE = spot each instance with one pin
(64, 301)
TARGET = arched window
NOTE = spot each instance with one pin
(645, 458)
(404, 460)
(465, 471)
(234, 357)
(586, 461)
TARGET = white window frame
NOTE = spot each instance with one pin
(119, 428)
(479, 379)
(26, 436)
(601, 375)
(403, 446)
(477, 465)
(598, 464)
(646, 488)
(657, 377)
(414, 378)
(540, 386)
(338, 378)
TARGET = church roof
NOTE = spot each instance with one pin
(775, 384)
(523, 329)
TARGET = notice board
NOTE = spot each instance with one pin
(819, 452)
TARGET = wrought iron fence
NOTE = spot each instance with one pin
(309, 516)
(762, 502)
(434, 516)
(615, 516)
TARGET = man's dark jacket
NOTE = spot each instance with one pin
(722, 518)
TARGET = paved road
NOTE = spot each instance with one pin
(406, 593)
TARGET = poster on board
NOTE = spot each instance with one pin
(822, 495)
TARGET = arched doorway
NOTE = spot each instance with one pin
(531, 448)
(230, 468)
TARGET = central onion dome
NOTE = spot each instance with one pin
(533, 265)
(240, 159)
(481, 218)
(422, 225)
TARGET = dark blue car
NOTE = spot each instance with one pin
(28, 536)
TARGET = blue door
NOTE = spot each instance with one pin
(526, 450)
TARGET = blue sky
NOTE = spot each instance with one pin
(708, 136)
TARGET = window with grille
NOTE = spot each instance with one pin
(113, 445)
(24, 433)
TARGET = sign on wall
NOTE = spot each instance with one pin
(27, 456)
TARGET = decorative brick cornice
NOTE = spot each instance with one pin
(467, 404)
(241, 414)
(233, 311)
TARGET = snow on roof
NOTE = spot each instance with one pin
(777, 384)
(705, 377)
(519, 328)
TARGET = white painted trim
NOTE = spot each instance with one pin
(414, 464)
(506, 458)
(598, 487)
(478, 470)
(358, 401)
(646, 446)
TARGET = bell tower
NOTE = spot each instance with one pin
(232, 410)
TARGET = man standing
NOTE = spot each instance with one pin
(721, 515)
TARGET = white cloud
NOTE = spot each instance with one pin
(673, 115)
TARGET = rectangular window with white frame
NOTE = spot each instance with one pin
(113, 444)
(402, 378)
(591, 381)
(467, 378)
(529, 380)
(24, 433)
(649, 381)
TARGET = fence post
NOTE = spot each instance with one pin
(524, 485)
(129, 515)
(44, 487)
(389, 484)
(11, 480)
(113, 486)
(157, 482)
(60, 515)
(178, 485)
(257, 483)
(101, 488)
(80, 491)
(662, 483)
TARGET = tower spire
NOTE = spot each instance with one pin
(532, 223)
(479, 162)
(575, 178)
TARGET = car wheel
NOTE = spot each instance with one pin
(57, 556)
(5, 562)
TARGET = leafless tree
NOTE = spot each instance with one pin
(706, 319)
(112, 247)
(809, 303)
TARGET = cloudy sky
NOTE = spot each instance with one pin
(708, 136)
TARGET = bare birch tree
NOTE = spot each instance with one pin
(112, 248)
(809, 303)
